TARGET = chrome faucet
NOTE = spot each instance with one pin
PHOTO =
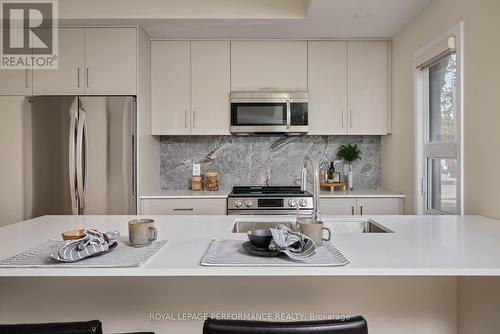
(308, 161)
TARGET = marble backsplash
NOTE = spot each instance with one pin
(253, 160)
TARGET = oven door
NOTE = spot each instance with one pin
(260, 117)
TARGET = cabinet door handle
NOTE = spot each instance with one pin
(185, 119)
(342, 118)
(350, 119)
(361, 209)
(78, 77)
(184, 209)
(26, 78)
(88, 77)
(352, 210)
(194, 118)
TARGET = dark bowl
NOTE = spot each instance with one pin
(260, 238)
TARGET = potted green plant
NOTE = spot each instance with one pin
(349, 153)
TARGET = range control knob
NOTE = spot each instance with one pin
(248, 203)
(302, 203)
(238, 203)
(292, 203)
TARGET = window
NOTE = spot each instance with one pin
(438, 128)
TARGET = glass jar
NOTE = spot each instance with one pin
(211, 181)
(196, 183)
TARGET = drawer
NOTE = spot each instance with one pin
(181, 206)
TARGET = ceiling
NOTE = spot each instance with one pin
(253, 19)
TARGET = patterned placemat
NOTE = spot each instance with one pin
(121, 256)
(229, 253)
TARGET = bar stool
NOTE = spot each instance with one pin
(354, 325)
(83, 327)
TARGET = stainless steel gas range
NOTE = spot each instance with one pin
(269, 200)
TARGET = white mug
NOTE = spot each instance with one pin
(315, 231)
(141, 232)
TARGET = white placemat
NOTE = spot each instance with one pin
(229, 253)
(121, 256)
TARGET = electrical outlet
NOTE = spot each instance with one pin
(196, 170)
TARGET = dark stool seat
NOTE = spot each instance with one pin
(84, 327)
(354, 325)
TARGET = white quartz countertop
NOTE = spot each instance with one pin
(419, 246)
(187, 194)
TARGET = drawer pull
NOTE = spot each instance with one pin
(184, 209)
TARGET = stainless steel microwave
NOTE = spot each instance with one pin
(269, 112)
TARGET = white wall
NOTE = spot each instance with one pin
(12, 161)
(481, 116)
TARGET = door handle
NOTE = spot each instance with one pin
(342, 118)
(81, 159)
(352, 210)
(194, 118)
(87, 77)
(184, 209)
(350, 119)
(78, 77)
(72, 161)
(185, 119)
(361, 209)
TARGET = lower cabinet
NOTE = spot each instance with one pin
(362, 206)
(178, 206)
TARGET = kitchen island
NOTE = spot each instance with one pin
(433, 275)
(417, 246)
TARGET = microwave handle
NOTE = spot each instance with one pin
(288, 114)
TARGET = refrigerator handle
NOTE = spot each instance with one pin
(72, 162)
(81, 158)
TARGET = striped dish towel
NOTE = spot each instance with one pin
(91, 245)
(295, 245)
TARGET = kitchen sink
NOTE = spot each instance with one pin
(340, 226)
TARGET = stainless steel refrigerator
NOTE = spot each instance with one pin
(81, 153)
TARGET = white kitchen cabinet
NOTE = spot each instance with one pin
(190, 84)
(16, 82)
(327, 79)
(210, 86)
(362, 206)
(68, 79)
(338, 206)
(170, 88)
(269, 65)
(178, 206)
(368, 87)
(379, 206)
(110, 61)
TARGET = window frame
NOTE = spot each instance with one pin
(424, 149)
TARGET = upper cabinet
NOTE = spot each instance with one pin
(68, 79)
(92, 61)
(110, 61)
(210, 86)
(190, 84)
(327, 76)
(348, 88)
(170, 88)
(16, 82)
(269, 65)
(368, 88)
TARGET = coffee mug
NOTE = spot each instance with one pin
(315, 231)
(141, 232)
